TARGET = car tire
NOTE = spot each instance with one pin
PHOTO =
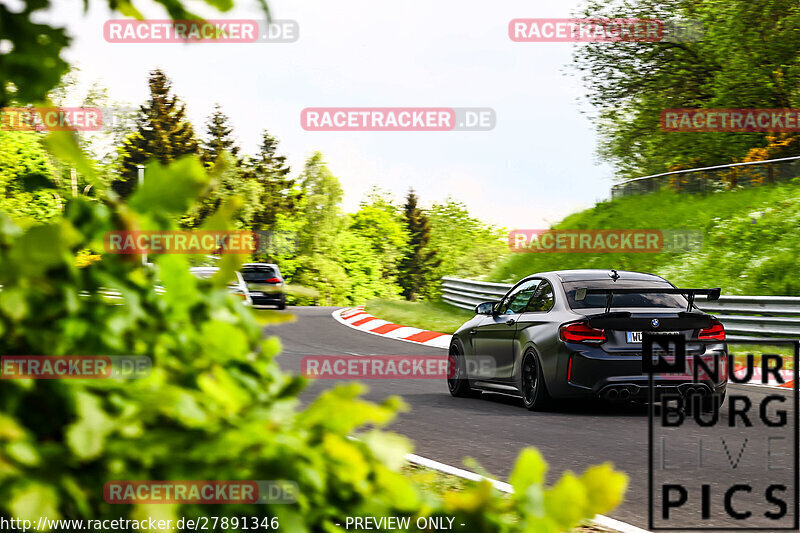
(457, 383)
(533, 386)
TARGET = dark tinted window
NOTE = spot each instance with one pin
(258, 273)
(623, 300)
(518, 299)
(543, 300)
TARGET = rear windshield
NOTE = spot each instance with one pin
(258, 273)
(623, 300)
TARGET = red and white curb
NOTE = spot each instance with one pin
(755, 379)
(357, 318)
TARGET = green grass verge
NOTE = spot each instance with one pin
(740, 352)
(751, 243)
(431, 315)
(433, 481)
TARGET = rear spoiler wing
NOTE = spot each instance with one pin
(711, 294)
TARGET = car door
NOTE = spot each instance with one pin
(534, 323)
(494, 335)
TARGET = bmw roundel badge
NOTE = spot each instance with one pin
(654, 322)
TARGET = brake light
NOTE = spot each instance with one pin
(715, 332)
(583, 333)
(273, 280)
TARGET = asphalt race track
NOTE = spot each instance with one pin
(494, 428)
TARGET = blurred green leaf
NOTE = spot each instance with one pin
(33, 500)
(171, 188)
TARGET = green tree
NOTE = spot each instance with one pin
(379, 221)
(162, 133)
(219, 138)
(466, 246)
(745, 58)
(34, 66)
(220, 153)
(28, 179)
(320, 207)
(279, 192)
(319, 221)
(228, 182)
(418, 267)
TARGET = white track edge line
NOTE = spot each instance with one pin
(600, 520)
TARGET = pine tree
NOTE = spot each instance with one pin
(162, 133)
(279, 191)
(219, 137)
(420, 262)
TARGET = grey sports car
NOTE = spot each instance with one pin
(578, 334)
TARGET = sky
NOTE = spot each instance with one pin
(537, 165)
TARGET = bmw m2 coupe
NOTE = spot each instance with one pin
(578, 334)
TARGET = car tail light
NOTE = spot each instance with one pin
(583, 333)
(273, 280)
(715, 332)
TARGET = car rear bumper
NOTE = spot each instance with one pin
(641, 392)
(268, 298)
(593, 372)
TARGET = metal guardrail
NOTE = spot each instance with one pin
(708, 179)
(744, 317)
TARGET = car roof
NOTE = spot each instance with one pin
(273, 265)
(597, 274)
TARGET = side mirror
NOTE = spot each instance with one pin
(485, 308)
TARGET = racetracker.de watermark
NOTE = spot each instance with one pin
(730, 120)
(200, 492)
(65, 118)
(51, 118)
(75, 366)
(604, 30)
(604, 241)
(198, 242)
(200, 31)
(398, 119)
(395, 366)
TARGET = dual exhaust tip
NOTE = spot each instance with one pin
(689, 392)
(625, 392)
(620, 393)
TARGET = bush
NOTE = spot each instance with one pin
(216, 405)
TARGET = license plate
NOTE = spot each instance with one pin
(634, 337)
(253, 293)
